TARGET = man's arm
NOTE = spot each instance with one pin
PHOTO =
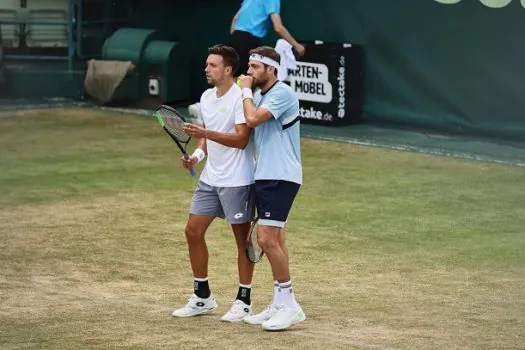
(281, 30)
(238, 139)
(194, 159)
(202, 145)
(254, 116)
(234, 21)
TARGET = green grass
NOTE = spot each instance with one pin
(388, 249)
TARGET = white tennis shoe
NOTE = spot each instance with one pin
(285, 317)
(237, 312)
(196, 306)
(262, 316)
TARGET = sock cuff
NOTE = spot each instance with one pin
(287, 284)
(248, 286)
(200, 279)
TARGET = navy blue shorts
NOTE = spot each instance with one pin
(274, 199)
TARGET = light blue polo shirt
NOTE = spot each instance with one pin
(277, 141)
(254, 16)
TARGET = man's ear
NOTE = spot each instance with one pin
(229, 70)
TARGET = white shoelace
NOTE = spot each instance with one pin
(237, 307)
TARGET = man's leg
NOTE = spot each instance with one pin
(275, 199)
(269, 239)
(245, 266)
(239, 211)
(198, 250)
(204, 208)
(242, 306)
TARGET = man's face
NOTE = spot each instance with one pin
(259, 73)
(215, 69)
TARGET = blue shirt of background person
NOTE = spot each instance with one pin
(254, 16)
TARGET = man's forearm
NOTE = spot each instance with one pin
(285, 34)
(233, 140)
(202, 145)
(249, 112)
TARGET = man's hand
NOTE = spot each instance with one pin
(300, 49)
(246, 81)
(189, 163)
(194, 130)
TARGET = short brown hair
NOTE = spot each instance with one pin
(269, 52)
(228, 54)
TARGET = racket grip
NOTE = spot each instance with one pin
(191, 170)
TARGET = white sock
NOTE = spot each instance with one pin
(275, 300)
(286, 295)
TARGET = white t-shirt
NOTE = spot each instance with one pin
(226, 166)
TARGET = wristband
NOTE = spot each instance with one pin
(247, 93)
(199, 154)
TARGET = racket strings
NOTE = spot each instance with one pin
(174, 124)
(254, 250)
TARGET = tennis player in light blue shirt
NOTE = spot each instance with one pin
(277, 141)
(274, 114)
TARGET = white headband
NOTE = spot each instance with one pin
(265, 60)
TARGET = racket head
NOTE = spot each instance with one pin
(253, 250)
(173, 121)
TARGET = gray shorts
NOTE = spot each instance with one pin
(236, 204)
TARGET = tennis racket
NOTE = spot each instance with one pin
(173, 122)
(253, 250)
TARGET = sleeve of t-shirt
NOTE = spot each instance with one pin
(202, 102)
(272, 6)
(278, 102)
(239, 111)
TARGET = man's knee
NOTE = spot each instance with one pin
(196, 228)
(267, 237)
(241, 233)
(193, 234)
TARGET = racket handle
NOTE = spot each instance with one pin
(191, 170)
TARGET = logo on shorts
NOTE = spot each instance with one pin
(238, 215)
(267, 214)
